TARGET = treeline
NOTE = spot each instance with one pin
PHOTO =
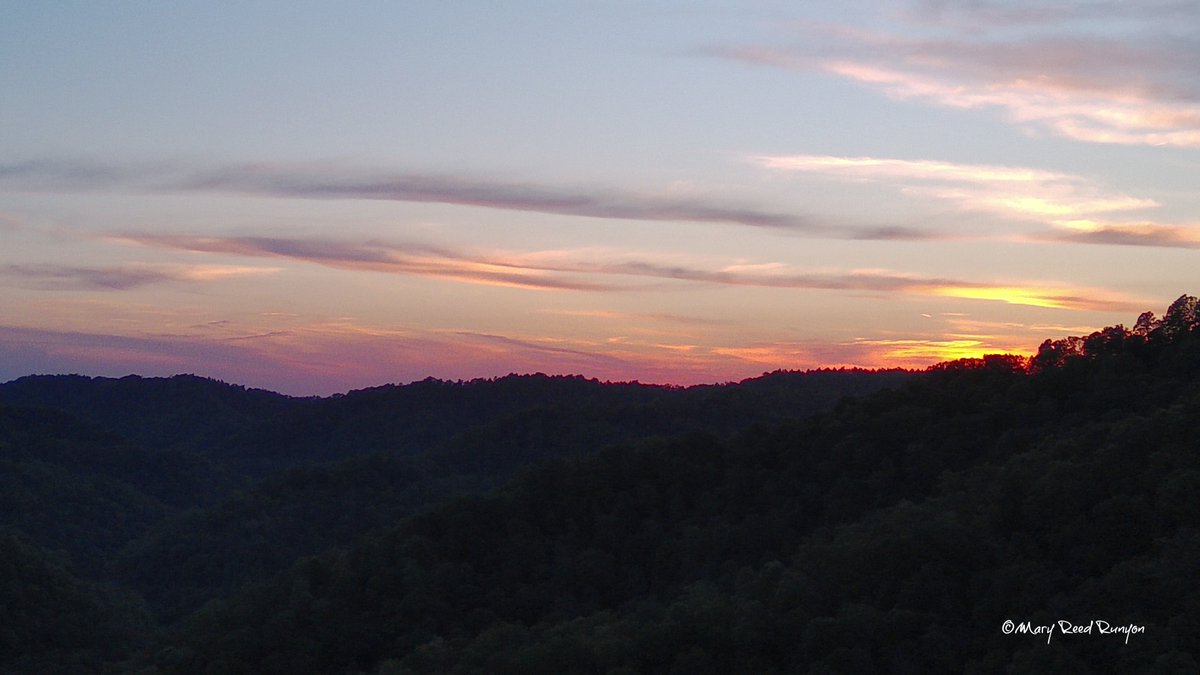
(157, 495)
(768, 526)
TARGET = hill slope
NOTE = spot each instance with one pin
(554, 524)
(897, 533)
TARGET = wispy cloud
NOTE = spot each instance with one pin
(613, 315)
(910, 352)
(1132, 83)
(120, 278)
(884, 352)
(879, 167)
(335, 182)
(1039, 296)
(410, 259)
(595, 203)
(566, 270)
(1015, 191)
(1074, 208)
(985, 15)
(1124, 234)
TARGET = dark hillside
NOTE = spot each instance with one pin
(897, 533)
(254, 433)
(535, 524)
(70, 487)
(197, 556)
(56, 623)
(183, 412)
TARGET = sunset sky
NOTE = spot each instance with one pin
(315, 197)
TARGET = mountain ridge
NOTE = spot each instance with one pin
(557, 524)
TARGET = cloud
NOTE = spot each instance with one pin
(924, 351)
(595, 203)
(1040, 296)
(64, 277)
(639, 317)
(411, 259)
(916, 352)
(877, 167)
(71, 174)
(559, 270)
(1124, 234)
(982, 15)
(540, 349)
(1131, 83)
(1084, 110)
(331, 182)
(1072, 206)
(976, 327)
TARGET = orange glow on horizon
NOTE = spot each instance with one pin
(923, 353)
(340, 354)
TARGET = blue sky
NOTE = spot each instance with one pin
(313, 197)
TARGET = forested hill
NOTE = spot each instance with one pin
(598, 528)
(256, 432)
(170, 492)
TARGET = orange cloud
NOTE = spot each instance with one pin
(913, 352)
(1054, 298)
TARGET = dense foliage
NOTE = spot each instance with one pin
(557, 525)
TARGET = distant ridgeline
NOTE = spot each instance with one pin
(1001, 514)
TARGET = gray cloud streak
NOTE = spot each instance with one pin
(336, 183)
(1160, 236)
(60, 277)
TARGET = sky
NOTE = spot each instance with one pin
(314, 197)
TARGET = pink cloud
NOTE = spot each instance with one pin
(1075, 209)
(1131, 84)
